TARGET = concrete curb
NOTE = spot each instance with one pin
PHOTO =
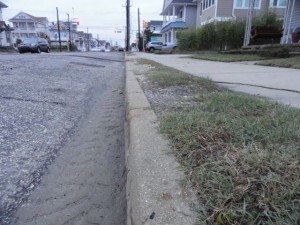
(154, 195)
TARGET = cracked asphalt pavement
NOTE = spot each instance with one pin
(62, 139)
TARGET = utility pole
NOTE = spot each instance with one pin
(70, 41)
(139, 29)
(88, 39)
(128, 25)
(58, 29)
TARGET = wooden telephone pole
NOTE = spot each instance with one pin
(128, 25)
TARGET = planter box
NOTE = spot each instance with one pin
(265, 32)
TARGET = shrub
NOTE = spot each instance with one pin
(213, 36)
(268, 19)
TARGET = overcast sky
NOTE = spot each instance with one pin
(101, 17)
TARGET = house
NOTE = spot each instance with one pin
(155, 27)
(177, 15)
(291, 22)
(221, 10)
(5, 30)
(26, 26)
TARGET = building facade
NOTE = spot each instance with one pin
(221, 10)
(177, 15)
(155, 27)
(27, 26)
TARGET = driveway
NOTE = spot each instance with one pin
(279, 84)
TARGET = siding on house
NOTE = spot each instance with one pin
(190, 20)
(224, 8)
(208, 14)
(296, 16)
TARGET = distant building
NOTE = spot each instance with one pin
(155, 27)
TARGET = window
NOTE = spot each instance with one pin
(207, 3)
(278, 3)
(244, 4)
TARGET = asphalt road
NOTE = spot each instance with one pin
(62, 139)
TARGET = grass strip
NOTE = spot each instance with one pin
(227, 57)
(292, 62)
(241, 154)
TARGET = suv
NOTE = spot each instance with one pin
(34, 45)
(154, 45)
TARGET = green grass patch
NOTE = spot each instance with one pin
(161, 77)
(292, 62)
(241, 153)
(222, 57)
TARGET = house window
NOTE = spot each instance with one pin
(278, 3)
(207, 4)
(244, 4)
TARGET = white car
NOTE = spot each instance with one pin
(169, 46)
(98, 49)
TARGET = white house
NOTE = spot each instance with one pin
(26, 26)
(155, 27)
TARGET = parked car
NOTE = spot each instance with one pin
(169, 46)
(98, 49)
(154, 45)
(34, 45)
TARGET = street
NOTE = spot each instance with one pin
(62, 139)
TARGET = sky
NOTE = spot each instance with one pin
(99, 17)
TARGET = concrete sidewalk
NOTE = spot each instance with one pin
(280, 84)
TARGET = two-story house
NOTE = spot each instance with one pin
(67, 32)
(155, 27)
(177, 14)
(5, 30)
(26, 26)
(221, 10)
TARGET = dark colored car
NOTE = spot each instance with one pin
(34, 45)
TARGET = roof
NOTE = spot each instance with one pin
(37, 19)
(174, 25)
(156, 22)
(2, 5)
